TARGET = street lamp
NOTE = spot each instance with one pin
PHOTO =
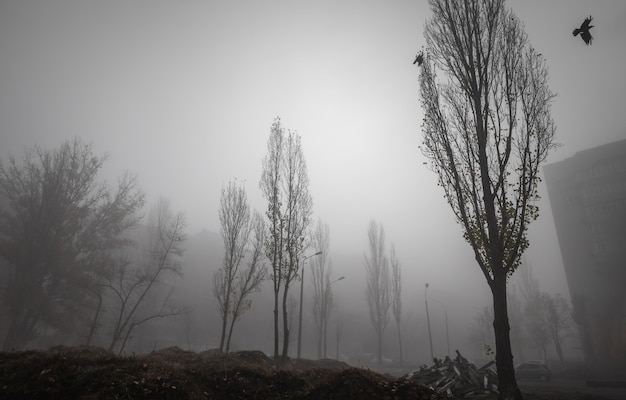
(301, 292)
(445, 312)
(326, 314)
(430, 337)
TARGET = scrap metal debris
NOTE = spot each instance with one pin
(457, 377)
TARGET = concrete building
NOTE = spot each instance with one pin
(588, 198)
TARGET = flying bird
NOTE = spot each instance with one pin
(584, 31)
(419, 59)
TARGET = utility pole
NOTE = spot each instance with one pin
(445, 312)
(430, 337)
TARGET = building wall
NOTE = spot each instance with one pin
(588, 198)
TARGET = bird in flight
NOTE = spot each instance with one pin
(584, 31)
(419, 59)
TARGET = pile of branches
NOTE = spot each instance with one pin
(457, 377)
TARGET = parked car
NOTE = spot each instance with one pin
(533, 370)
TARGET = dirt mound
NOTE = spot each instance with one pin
(85, 351)
(172, 373)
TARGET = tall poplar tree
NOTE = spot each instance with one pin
(285, 186)
(487, 129)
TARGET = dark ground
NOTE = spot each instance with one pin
(94, 373)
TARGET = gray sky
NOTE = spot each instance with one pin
(183, 94)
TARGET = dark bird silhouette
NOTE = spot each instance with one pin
(419, 59)
(584, 31)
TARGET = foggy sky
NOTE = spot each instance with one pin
(183, 95)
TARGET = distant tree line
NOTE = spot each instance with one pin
(80, 264)
(384, 286)
(74, 256)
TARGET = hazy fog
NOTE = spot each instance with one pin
(183, 95)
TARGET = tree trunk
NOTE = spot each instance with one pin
(20, 330)
(325, 335)
(275, 324)
(320, 333)
(224, 323)
(94, 323)
(507, 385)
(559, 350)
(230, 331)
(285, 352)
(11, 341)
(380, 344)
(400, 342)
(126, 337)
(229, 279)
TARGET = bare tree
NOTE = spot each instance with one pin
(532, 305)
(487, 129)
(297, 214)
(285, 185)
(234, 215)
(292, 306)
(548, 320)
(378, 283)
(396, 295)
(536, 324)
(481, 336)
(559, 321)
(322, 291)
(59, 225)
(526, 282)
(271, 181)
(136, 281)
(250, 279)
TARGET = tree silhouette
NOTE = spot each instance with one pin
(58, 228)
(487, 129)
(234, 216)
(285, 185)
(135, 282)
(396, 296)
(378, 283)
(322, 292)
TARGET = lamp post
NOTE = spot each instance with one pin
(445, 312)
(430, 337)
(326, 315)
(301, 292)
